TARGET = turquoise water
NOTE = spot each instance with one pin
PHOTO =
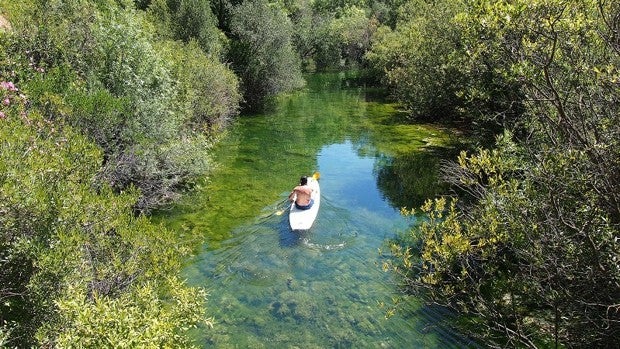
(270, 287)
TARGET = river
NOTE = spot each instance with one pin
(270, 287)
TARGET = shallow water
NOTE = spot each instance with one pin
(271, 287)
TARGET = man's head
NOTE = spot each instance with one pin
(303, 180)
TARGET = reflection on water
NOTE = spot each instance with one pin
(271, 287)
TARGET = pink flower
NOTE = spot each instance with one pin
(2, 115)
(8, 85)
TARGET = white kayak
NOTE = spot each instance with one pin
(303, 219)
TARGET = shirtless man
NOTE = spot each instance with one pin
(304, 200)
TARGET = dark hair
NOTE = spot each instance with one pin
(303, 180)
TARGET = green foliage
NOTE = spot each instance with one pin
(77, 267)
(330, 6)
(320, 45)
(39, 164)
(188, 20)
(308, 31)
(530, 255)
(208, 90)
(431, 72)
(386, 12)
(352, 31)
(565, 55)
(420, 59)
(329, 40)
(99, 66)
(533, 268)
(135, 319)
(222, 9)
(262, 51)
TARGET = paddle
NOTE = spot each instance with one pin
(316, 176)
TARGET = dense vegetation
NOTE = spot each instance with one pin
(527, 248)
(109, 110)
(110, 107)
(101, 118)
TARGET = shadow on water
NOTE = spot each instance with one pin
(330, 239)
(409, 180)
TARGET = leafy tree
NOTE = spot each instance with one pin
(309, 31)
(142, 4)
(531, 253)
(570, 89)
(106, 74)
(353, 31)
(222, 9)
(77, 267)
(143, 147)
(432, 73)
(420, 58)
(386, 12)
(189, 20)
(208, 90)
(336, 7)
(262, 51)
(325, 49)
(527, 268)
(329, 39)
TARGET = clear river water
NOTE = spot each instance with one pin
(270, 287)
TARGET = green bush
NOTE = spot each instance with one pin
(529, 256)
(352, 31)
(137, 319)
(97, 119)
(332, 39)
(208, 90)
(430, 71)
(262, 52)
(99, 66)
(188, 20)
(420, 59)
(69, 250)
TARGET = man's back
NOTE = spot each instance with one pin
(303, 193)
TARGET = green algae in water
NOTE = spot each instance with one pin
(273, 288)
